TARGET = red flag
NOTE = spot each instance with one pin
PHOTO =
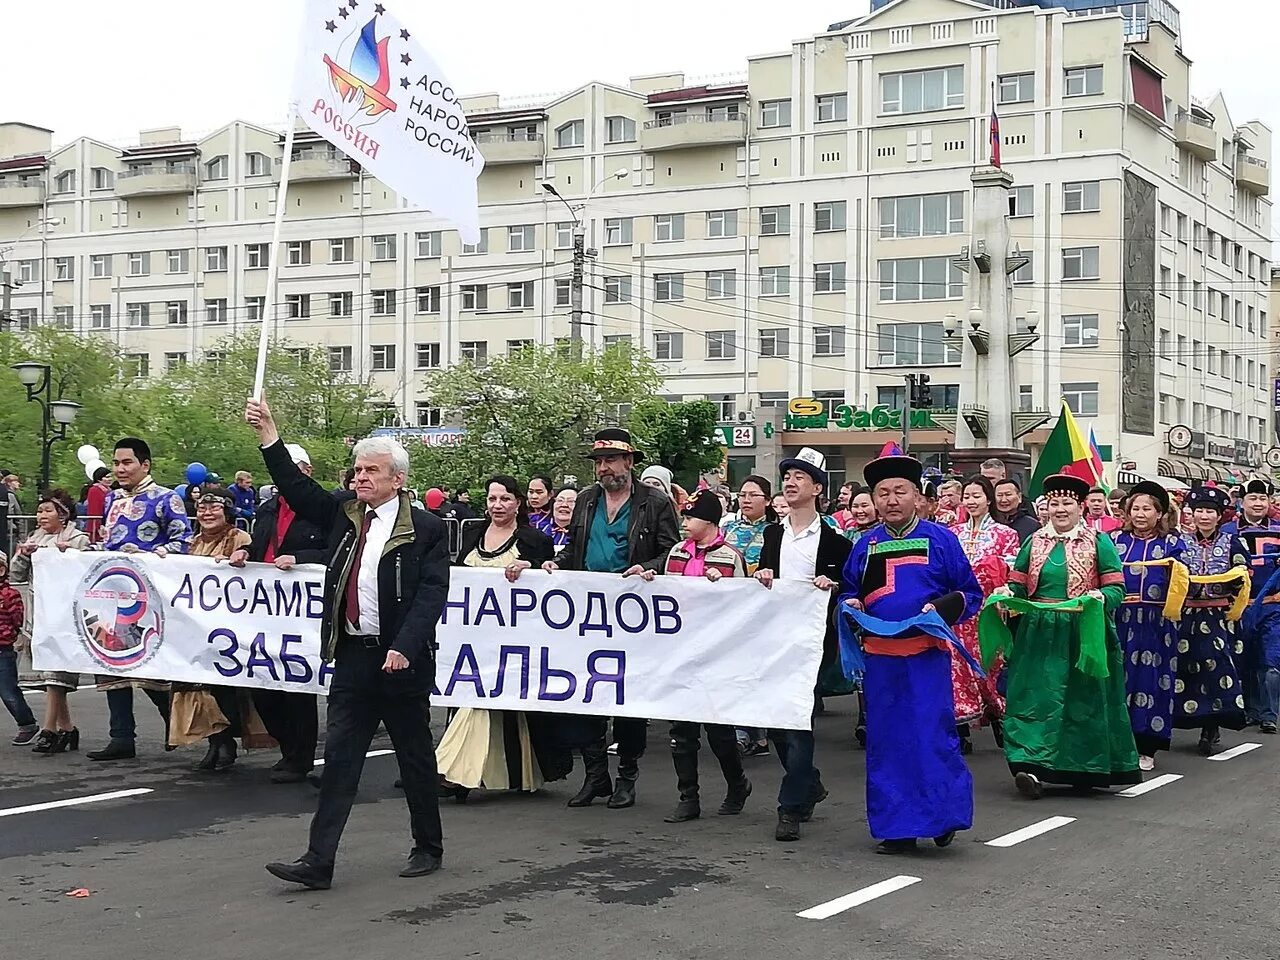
(995, 130)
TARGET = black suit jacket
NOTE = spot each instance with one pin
(833, 552)
(302, 540)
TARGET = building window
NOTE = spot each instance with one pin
(29, 270)
(1080, 330)
(515, 346)
(342, 250)
(921, 90)
(255, 308)
(482, 246)
(722, 284)
(920, 278)
(297, 253)
(427, 415)
(475, 352)
(25, 319)
(775, 342)
(176, 313)
(475, 296)
(1082, 81)
(721, 344)
(1081, 197)
(668, 226)
(382, 357)
(619, 130)
(520, 295)
(775, 221)
(828, 277)
(928, 215)
(1166, 282)
(829, 216)
(571, 134)
(256, 256)
(384, 302)
(564, 293)
(564, 236)
(668, 287)
(722, 223)
(102, 178)
(1082, 398)
(775, 281)
(724, 112)
(520, 239)
(64, 318)
(831, 107)
(1027, 272)
(428, 244)
(828, 341)
(297, 306)
(1018, 88)
(215, 310)
(100, 265)
(65, 182)
(216, 169)
(1022, 202)
(100, 316)
(137, 366)
(384, 247)
(428, 299)
(139, 264)
(915, 344)
(339, 359)
(617, 231)
(427, 356)
(174, 362)
(617, 341)
(257, 165)
(668, 345)
(64, 268)
(340, 303)
(617, 289)
(1079, 263)
(215, 259)
(726, 407)
(775, 113)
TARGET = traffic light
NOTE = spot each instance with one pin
(924, 396)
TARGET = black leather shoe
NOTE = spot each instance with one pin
(115, 750)
(287, 775)
(624, 794)
(894, 847)
(820, 793)
(945, 839)
(788, 828)
(735, 799)
(1269, 728)
(210, 760)
(307, 874)
(226, 758)
(1029, 785)
(420, 864)
(685, 811)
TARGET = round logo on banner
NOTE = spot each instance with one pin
(1273, 457)
(1179, 437)
(118, 614)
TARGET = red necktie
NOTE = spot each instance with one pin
(353, 578)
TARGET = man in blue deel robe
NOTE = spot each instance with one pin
(907, 581)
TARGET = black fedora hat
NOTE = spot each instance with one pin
(613, 441)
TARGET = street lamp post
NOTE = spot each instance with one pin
(38, 379)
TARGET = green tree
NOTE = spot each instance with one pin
(532, 411)
(680, 436)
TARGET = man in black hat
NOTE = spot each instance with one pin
(616, 524)
(1261, 537)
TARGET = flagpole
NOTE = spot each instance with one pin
(273, 255)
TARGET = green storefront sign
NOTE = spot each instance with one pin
(845, 417)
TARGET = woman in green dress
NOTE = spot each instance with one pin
(1066, 720)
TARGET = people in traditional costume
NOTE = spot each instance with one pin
(1066, 720)
(907, 581)
(745, 533)
(561, 513)
(1155, 581)
(991, 549)
(1207, 692)
(1261, 537)
(501, 749)
(1264, 625)
(539, 496)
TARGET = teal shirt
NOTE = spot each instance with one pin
(607, 543)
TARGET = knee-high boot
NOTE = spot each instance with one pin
(689, 807)
(597, 782)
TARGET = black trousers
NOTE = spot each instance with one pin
(686, 740)
(292, 719)
(360, 696)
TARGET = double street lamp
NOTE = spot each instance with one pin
(38, 379)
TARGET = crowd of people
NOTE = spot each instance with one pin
(1082, 628)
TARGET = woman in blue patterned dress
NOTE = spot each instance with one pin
(1155, 584)
(1207, 692)
(561, 513)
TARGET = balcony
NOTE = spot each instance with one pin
(1253, 175)
(319, 165)
(684, 131)
(511, 147)
(17, 193)
(156, 181)
(1196, 134)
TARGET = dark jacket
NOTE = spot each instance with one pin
(413, 573)
(1024, 521)
(531, 544)
(303, 540)
(651, 532)
(246, 501)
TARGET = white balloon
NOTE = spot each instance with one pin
(91, 468)
(88, 454)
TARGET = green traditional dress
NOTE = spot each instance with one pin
(1066, 720)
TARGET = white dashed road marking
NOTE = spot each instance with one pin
(850, 900)
(371, 753)
(1027, 833)
(1235, 751)
(74, 801)
(1147, 786)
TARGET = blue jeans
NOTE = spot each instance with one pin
(120, 706)
(11, 693)
(1268, 679)
(801, 780)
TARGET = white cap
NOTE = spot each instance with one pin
(297, 453)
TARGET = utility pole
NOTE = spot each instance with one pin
(906, 414)
(575, 287)
(7, 286)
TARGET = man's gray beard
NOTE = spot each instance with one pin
(615, 484)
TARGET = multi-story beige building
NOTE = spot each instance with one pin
(789, 235)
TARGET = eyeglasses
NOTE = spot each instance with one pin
(752, 496)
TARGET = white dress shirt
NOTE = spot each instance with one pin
(798, 555)
(384, 520)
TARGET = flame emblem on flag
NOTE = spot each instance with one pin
(367, 77)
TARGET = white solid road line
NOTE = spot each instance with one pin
(1235, 751)
(850, 900)
(371, 753)
(75, 801)
(1026, 833)
(1148, 785)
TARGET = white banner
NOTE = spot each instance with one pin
(366, 84)
(678, 648)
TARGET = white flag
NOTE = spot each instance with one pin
(367, 85)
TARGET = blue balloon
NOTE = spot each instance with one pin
(181, 491)
(197, 472)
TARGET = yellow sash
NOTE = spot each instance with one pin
(1238, 575)
(1179, 582)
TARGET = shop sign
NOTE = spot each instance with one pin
(806, 413)
(1220, 450)
(735, 435)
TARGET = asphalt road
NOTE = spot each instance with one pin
(1184, 870)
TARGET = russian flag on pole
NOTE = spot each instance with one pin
(994, 126)
(1066, 451)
